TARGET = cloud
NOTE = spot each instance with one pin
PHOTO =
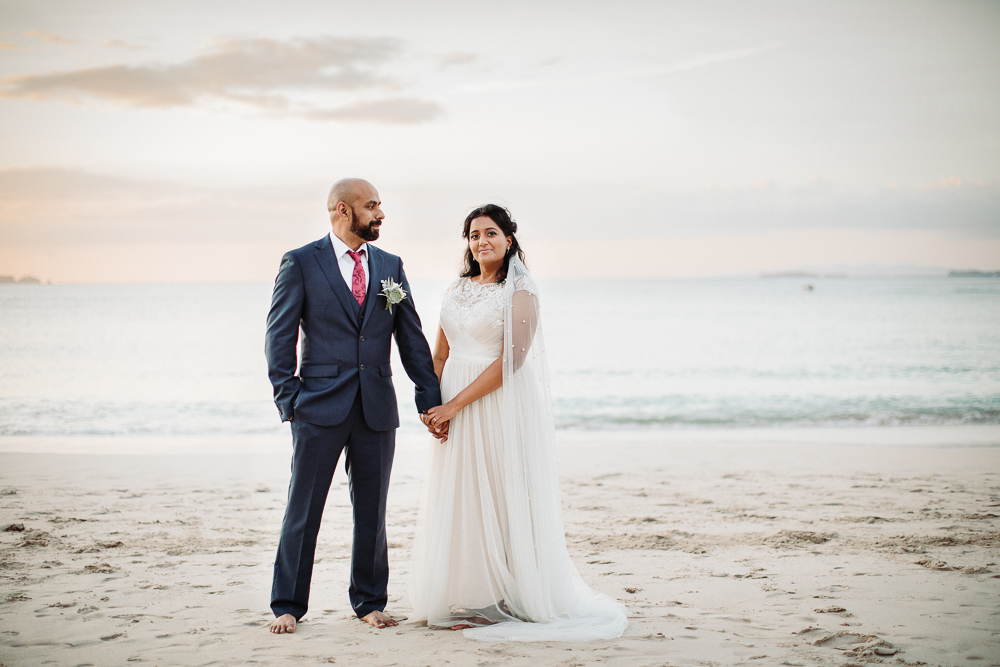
(49, 207)
(72, 217)
(590, 81)
(264, 74)
(52, 185)
(969, 210)
(8, 46)
(48, 37)
(458, 58)
(45, 205)
(119, 44)
(391, 111)
(704, 60)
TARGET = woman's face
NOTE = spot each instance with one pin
(487, 243)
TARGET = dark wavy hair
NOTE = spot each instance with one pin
(501, 216)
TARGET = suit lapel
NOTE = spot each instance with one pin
(330, 266)
(374, 281)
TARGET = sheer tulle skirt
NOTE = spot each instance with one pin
(490, 548)
(462, 519)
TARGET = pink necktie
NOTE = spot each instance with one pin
(358, 278)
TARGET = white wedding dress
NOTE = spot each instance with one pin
(490, 550)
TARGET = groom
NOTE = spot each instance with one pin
(342, 399)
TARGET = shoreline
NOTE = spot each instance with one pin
(935, 436)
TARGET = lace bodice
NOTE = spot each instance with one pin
(472, 320)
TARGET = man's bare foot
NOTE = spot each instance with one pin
(461, 626)
(378, 619)
(283, 624)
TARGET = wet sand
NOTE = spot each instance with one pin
(767, 547)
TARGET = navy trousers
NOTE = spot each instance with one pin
(368, 462)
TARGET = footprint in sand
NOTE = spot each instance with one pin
(843, 640)
(857, 645)
(932, 564)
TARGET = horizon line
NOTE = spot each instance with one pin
(758, 276)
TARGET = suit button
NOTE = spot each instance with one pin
(362, 367)
(362, 339)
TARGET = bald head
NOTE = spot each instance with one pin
(347, 190)
(355, 211)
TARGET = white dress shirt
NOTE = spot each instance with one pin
(346, 263)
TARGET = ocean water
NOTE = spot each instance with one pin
(188, 359)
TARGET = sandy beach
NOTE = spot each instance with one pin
(743, 547)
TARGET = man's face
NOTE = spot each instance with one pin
(366, 215)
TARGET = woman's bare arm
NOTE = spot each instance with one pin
(441, 351)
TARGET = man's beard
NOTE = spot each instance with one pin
(367, 232)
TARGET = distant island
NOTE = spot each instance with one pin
(974, 274)
(802, 274)
(23, 279)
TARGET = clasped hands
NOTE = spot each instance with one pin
(438, 420)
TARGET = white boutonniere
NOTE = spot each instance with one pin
(393, 293)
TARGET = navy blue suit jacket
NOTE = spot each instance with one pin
(341, 350)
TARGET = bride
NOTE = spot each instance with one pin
(490, 553)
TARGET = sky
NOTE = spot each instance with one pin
(196, 141)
